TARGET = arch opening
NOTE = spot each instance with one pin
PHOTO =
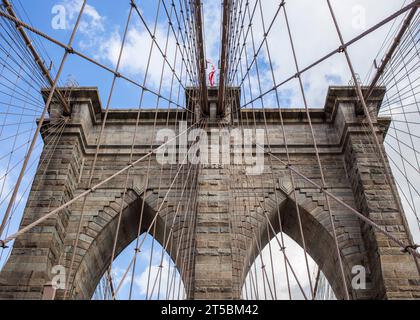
(152, 248)
(154, 276)
(319, 243)
(272, 282)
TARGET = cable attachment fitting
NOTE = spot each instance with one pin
(410, 246)
(3, 244)
(70, 50)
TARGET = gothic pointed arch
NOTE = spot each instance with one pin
(97, 238)
(317, 232)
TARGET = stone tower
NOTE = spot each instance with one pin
(215, 267)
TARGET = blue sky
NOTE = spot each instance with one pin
(100, 35)
(102, 26)
(110, 22)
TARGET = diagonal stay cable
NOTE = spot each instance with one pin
(373, 132)
(40, 122)
(338, 50)
(69, 49)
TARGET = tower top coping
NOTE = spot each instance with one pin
(76, 94)
(338, 94)
(335, 95)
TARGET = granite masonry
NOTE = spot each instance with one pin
(220, 227)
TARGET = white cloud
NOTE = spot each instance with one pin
(103, 40)
(296, 258)
(135, 57)
(150, 280)
(314, 36)
(91, 20)
(91, 24)
(212, 24)
(159, 278)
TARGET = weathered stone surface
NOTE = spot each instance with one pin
(221, 222)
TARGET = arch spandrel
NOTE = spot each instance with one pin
(317, 233)
(99, 232)
(216, 269)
